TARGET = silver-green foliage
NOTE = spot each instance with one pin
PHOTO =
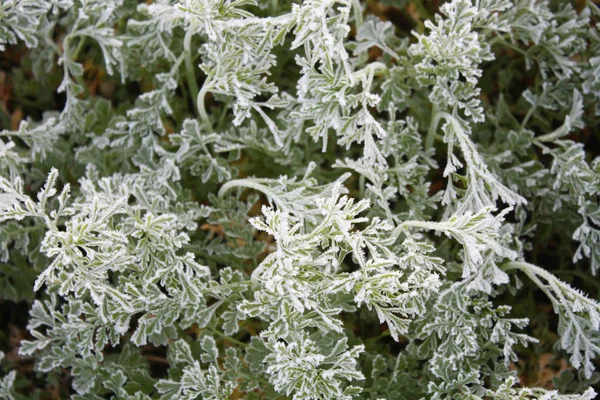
(125, 265)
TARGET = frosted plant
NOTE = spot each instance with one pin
(225, 199)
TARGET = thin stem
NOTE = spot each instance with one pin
(533, 272)
(189, 68)
(552, 136)
(358, 23)
(65, 55)
(527, 117)
(224, 114)
(361, 186)
(79, 47)
(429, 139)
(228, 338)
(500, 40)
(358, 16)
(532, 110)
(243, 183)
(430, 226)
(529, 269)
(200, 102)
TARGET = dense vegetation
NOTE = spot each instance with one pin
(320, 199)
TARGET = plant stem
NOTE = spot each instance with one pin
(224, 114)
(527, 117)
(361, 186)
(243, 183)
(528, 269)
(358, 16)
(552, 136)
(429, 139)
(189, 69)
(430, 226)
(511, 46)
(79, 47)
(200, 102)
(358, 22)
(228, 338)
(533, 272)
